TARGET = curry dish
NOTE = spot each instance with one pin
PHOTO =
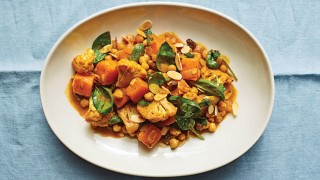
(156, 88)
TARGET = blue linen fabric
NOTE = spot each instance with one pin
(288, 149)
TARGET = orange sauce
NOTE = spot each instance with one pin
(105, 131)
(74, 101)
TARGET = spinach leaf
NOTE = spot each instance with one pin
(166, 55)
(211, 59)
(227, 65)
(148, 33)
(102, 40)
(102, 99)
(204, 102)
(184, 123)
(98, 56)
(143, 102)
(138, 51)
(157, 78)
(210, 88)
(189, 55)
(196, 133)
(114, 120)
(201, 120)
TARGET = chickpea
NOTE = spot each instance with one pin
(84, 103)
(172, 68)
(152, 65)
(223, 68)
(194, 90)
(218, 118)
(204, 53)
(175, 132)
(121, 45)
(108, 57)
(116, 128)
(173, 143)
(149, 96)
(212, 127)
(211, 119)
(145, 42)
(147, 57)
(182, 137)
(139, 38)
(120, 134)
(145, 66)
(142, 59)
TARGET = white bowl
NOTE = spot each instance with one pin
(217, 31)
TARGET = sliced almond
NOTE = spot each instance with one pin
(178, 45)
(210, 109)
(154, 88)
(178, 62)
(215, 110)
(113, 55)
(159, 97)
(235, 108)
(141, 33)
(106, 48)
(125, 40)
(146, 25)
(174, 75)
(164, 90)
(185, 49)
(132, 82)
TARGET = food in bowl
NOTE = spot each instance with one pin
(156, 88)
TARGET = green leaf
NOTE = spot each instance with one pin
(101, 40)
(148, 33)
(157, 78)
(166, 55)
(143, 102)
(186, 107)
(102, 99)
(226, 64)
(98, 56)
(210, 88)
(205, 102)
(138, 51)
(211, 59)
(189, 55)
(201, 120)
(196, 133)
(114, 120)
(184, 123)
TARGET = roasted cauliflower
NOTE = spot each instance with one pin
(211, 74)
(157, 110)
(129, 70)
(95, 118)
(83, 63)
(130, 117)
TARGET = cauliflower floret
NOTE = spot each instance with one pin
(129, 70)
(83, 63)
(157, 110)
(130, 117)
(95, 118)
(211, 74)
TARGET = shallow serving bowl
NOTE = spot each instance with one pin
(217, 31)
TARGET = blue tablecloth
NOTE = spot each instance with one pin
(288, 149)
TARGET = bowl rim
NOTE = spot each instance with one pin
(160, 3)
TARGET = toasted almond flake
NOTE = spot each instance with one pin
(185, 49)
(164, 90)
(113, 55)
(159, 97)
(210, 109)
(215, 110)
(141, 33)
(174, 75)
(125, 40)
(146, 25)
(178, 45)
(106, 48)
(178, 62)
(194, 71)
(154, 88)
(235, 108)
(132, 82)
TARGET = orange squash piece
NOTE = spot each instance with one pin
(107, 71)
(190, 69)
(137, 89)
(119, 102)
(82, 84)
(149, 135)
